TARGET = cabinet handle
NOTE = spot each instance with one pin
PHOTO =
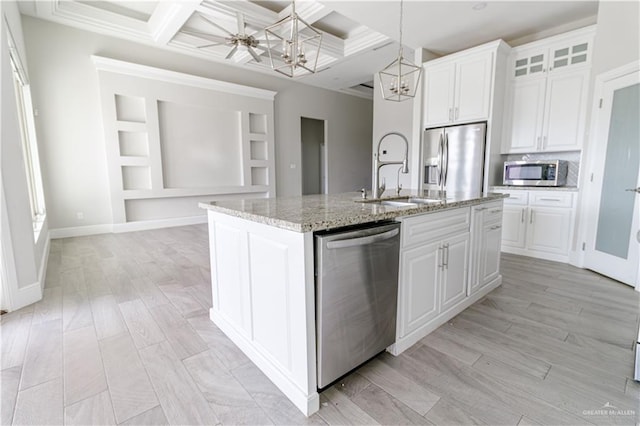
(479, 209)
(493, 228)
(495, 211)
(550, 199)
(441, 257)
(539, 141)
(446, 262)
(531, 217)
(522, 218)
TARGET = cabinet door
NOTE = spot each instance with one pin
(549, 230)
(455, 267)
(514, 226)
(439, 83)
(419, 274)
(473, 87)
(526, 112)
(565, 108)
(490, 256)
(529, 63)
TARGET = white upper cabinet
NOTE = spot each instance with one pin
(546, 97)
(457, 89)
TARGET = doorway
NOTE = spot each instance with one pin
(312, 136)
(613, 233)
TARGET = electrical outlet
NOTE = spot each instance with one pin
(80, 215)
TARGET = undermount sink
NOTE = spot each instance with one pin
(404, 201)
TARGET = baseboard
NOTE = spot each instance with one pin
(536, 254)
(81, 231)
(308, 404)
(412, 338)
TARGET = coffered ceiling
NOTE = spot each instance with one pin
(359, 37)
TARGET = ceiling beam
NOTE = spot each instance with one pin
(169, 17)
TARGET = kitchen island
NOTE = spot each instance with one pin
(262, 273)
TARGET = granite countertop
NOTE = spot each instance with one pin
(534, 188)
(320, 212)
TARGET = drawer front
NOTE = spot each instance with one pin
(516, 198)
(431, 226)
(492, 211)
(551, 199)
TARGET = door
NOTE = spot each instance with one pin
(438, 94)
(454, 271)
(419, 275)
(527, 109)
(473, 88)
(613, 234)
(464, 159)
(565, 110)
(313, 156)
(513, 224)
(549, 229)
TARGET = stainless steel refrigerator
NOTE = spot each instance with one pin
(453, 159)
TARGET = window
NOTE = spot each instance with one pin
(29, 141)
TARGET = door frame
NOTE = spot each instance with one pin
(324, 155)
(589, 201)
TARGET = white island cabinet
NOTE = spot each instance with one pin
(262, 275)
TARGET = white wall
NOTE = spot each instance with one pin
(65, 90)
(23, 258)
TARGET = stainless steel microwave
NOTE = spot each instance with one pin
(535, 173)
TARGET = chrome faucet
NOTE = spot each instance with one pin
(377, 165)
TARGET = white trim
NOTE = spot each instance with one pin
(107, 228)
(27, 295)
(42, 274)
(158, 74)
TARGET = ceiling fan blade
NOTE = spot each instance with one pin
(217, 25)
(254, 54)
(241, 24)
(231, 52)
(210, 45)
(206, 36)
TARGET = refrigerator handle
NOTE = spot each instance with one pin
(446, 161)
(440, 157)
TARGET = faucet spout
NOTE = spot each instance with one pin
(377, 188)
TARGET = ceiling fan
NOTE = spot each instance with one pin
(241, 38)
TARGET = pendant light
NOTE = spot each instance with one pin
(298, 43)
(399, 80)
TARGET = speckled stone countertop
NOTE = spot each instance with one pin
(534, 188)
(320, 212)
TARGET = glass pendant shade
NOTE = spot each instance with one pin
(293, 45)
(399, 80)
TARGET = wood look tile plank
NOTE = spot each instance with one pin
(95, 410)
(9, 382)
(446, 412)
(107, 318)
(50, 307)
(280, 410)
(183, 339)
(141, 324)
(182, 299)
(407, 391)
(385, 408)
(352, 384)
(121, 286)
(449, 346)
(181, 400)
(40, 405)
(73, 280)
(231, 403)
(43, 360)
(129, 386)
(14, 336)
(149, 292)
(76, 311)
(228, 353)
(337, 409)
(83, 370)
(152, 417)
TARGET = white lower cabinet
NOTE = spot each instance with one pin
(435, 267)
(486, 239)
(538, 224)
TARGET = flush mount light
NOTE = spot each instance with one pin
(399, 80)
(479, 6)
(298, 42)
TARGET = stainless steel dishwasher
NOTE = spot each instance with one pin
(356, 297)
